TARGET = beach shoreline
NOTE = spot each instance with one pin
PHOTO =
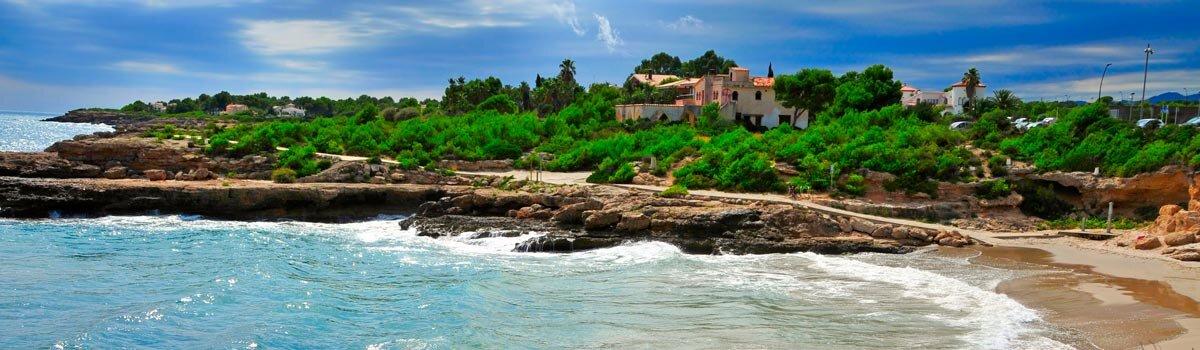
(1113, 298)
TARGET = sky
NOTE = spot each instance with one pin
(57, 55)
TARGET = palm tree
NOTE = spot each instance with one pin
(1005, 100)
(567, 70)
(971, 79)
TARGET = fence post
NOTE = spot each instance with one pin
(1109, 225)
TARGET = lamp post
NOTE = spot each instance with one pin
(1098, 94)
(1131, 104)
(1145, 74)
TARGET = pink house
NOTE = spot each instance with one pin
(742, 98)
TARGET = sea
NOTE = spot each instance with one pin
(192, 282)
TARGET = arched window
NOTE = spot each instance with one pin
(735, 95)
(758, 95)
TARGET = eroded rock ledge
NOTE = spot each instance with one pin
(574, 219)
(254, 200)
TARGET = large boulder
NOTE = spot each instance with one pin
(573, 213)
(1178, 239)
(862, 226)
(634, 221)
(117, 172)
(343, 172)
(1147, 243)
(883, 231)
(155, 175)
(600, 219)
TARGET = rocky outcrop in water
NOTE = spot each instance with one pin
(24, 197)
(573, 219)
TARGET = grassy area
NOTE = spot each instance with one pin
(1092, 223)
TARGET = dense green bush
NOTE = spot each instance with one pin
(853, 185)
(992, 189)
(283, 176)
(300, 160)
(998, 166)
(675, 191)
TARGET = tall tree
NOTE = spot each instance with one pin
(770, 70)
(567, 71)
(708, 62)
(872, 89)
(809, 90)
(660, 63)
(971, 79)
(1005, 100)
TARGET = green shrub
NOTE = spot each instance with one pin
(283, 176)
(992, 189)
(998, 165)
(853, 185)
(675, 191)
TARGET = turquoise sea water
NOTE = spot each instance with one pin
(186, 282)
(25, 132)
(179, 282)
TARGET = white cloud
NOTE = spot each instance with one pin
(685, 24)
(565, 12)
(306, 37)
(607, 34)
(146, 67)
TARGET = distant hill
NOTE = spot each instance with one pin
(1174, 96)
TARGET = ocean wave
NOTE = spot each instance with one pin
(999, 322)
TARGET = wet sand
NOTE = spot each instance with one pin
(1104, 299)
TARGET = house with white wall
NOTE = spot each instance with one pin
(954, 99)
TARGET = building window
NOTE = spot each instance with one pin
(735, 95)
(758, 95)
(715, 95)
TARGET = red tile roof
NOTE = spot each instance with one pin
(961, 83)
(763, 81)
(908, 88)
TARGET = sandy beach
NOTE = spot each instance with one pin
(1116, 299)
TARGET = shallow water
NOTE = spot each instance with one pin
(188, 282)
(25, 132)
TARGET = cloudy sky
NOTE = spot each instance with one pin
(61, 54)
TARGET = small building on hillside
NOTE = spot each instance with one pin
(159, 106)
(954, 98)
(289, 110)
(235, 108)
(741, 97)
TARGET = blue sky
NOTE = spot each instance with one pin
(57, 55)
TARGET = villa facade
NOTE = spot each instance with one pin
(742, 98)
(954, 99)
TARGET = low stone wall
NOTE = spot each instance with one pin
(482, 165)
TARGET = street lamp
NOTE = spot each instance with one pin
(1102, 81)
(1145, 74)
(1131, 104)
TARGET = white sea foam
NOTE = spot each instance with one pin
(999, 322)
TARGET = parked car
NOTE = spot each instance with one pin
(1049, 121)
(1149, 123)
(960, 125)
(1192, 122)
(1020, 123)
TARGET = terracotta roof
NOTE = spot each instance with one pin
(909, 88)
(654, 79)
(763, 81)
(961, 83)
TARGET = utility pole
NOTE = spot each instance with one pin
(1145, 73)
(1098, 94)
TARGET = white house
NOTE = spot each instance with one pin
(289, 110)
(955, 98)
